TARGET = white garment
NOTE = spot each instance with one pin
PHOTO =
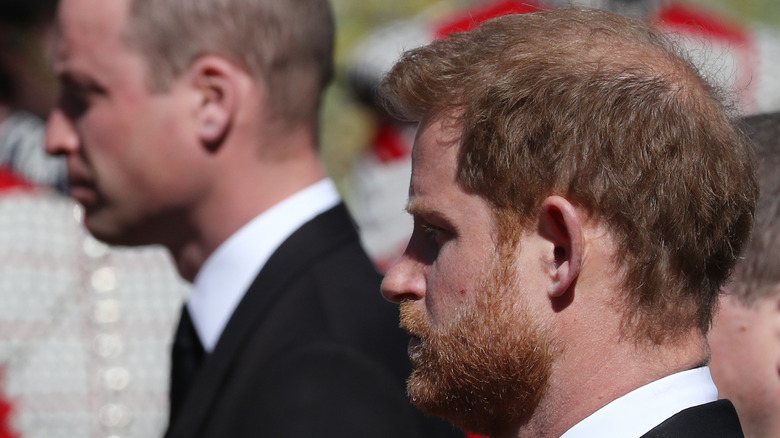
(227, 274)
(644, 408)
(84, 327)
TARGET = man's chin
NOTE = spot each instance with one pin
(485, 375)
(425, 394)
(100, 225)
(465, 413)
(109, 238)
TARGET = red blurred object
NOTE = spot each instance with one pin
(5, 406)
(389, 145)
(700, 22)
(8, 180)
(473, 17)
(718, 31)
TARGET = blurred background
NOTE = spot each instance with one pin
(736, 43)
(349, 125)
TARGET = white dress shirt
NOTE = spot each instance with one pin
(644, 408)
(227, 274)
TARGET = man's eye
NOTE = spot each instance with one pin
(426, 242)
(435, 234)
(74, 101)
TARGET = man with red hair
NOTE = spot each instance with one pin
(579, 195)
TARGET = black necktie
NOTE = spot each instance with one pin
(186, 357)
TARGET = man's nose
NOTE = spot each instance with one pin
(61, 135)
(404, 281)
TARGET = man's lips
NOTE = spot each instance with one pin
(81, 183)
(415, 350)
(414, 340)
(84, 193)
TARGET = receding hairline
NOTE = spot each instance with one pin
(653, 54)
(626, 59)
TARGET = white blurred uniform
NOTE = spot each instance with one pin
(85, 329)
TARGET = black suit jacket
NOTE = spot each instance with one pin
(712, 420)
(312, 350)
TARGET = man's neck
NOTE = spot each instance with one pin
(577, 391)
(239, 194)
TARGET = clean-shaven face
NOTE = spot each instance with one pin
(126, 148)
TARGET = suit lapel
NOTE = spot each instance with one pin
(313, 241)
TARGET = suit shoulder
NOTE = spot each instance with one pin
(717, 419)
(327, 389)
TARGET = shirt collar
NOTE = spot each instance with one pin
(228, 272)
(642, 409)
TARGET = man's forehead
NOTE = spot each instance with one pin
(444, 126)
(437, 139)
(90, 40)
(91, 22)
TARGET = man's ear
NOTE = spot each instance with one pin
(559, 224)
(216, 82)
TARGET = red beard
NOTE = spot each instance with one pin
(487, 368)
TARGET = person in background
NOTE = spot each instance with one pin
(745, 337)
(579, 197)
(81, 351)
(194, 124)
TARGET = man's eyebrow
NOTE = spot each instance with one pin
(66, 76)
(427, 213)
(72, 79)
(416, 208)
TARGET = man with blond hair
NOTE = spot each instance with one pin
(194, 124)
(579, 196)
(745, 336)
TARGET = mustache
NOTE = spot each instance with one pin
(413, 320)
